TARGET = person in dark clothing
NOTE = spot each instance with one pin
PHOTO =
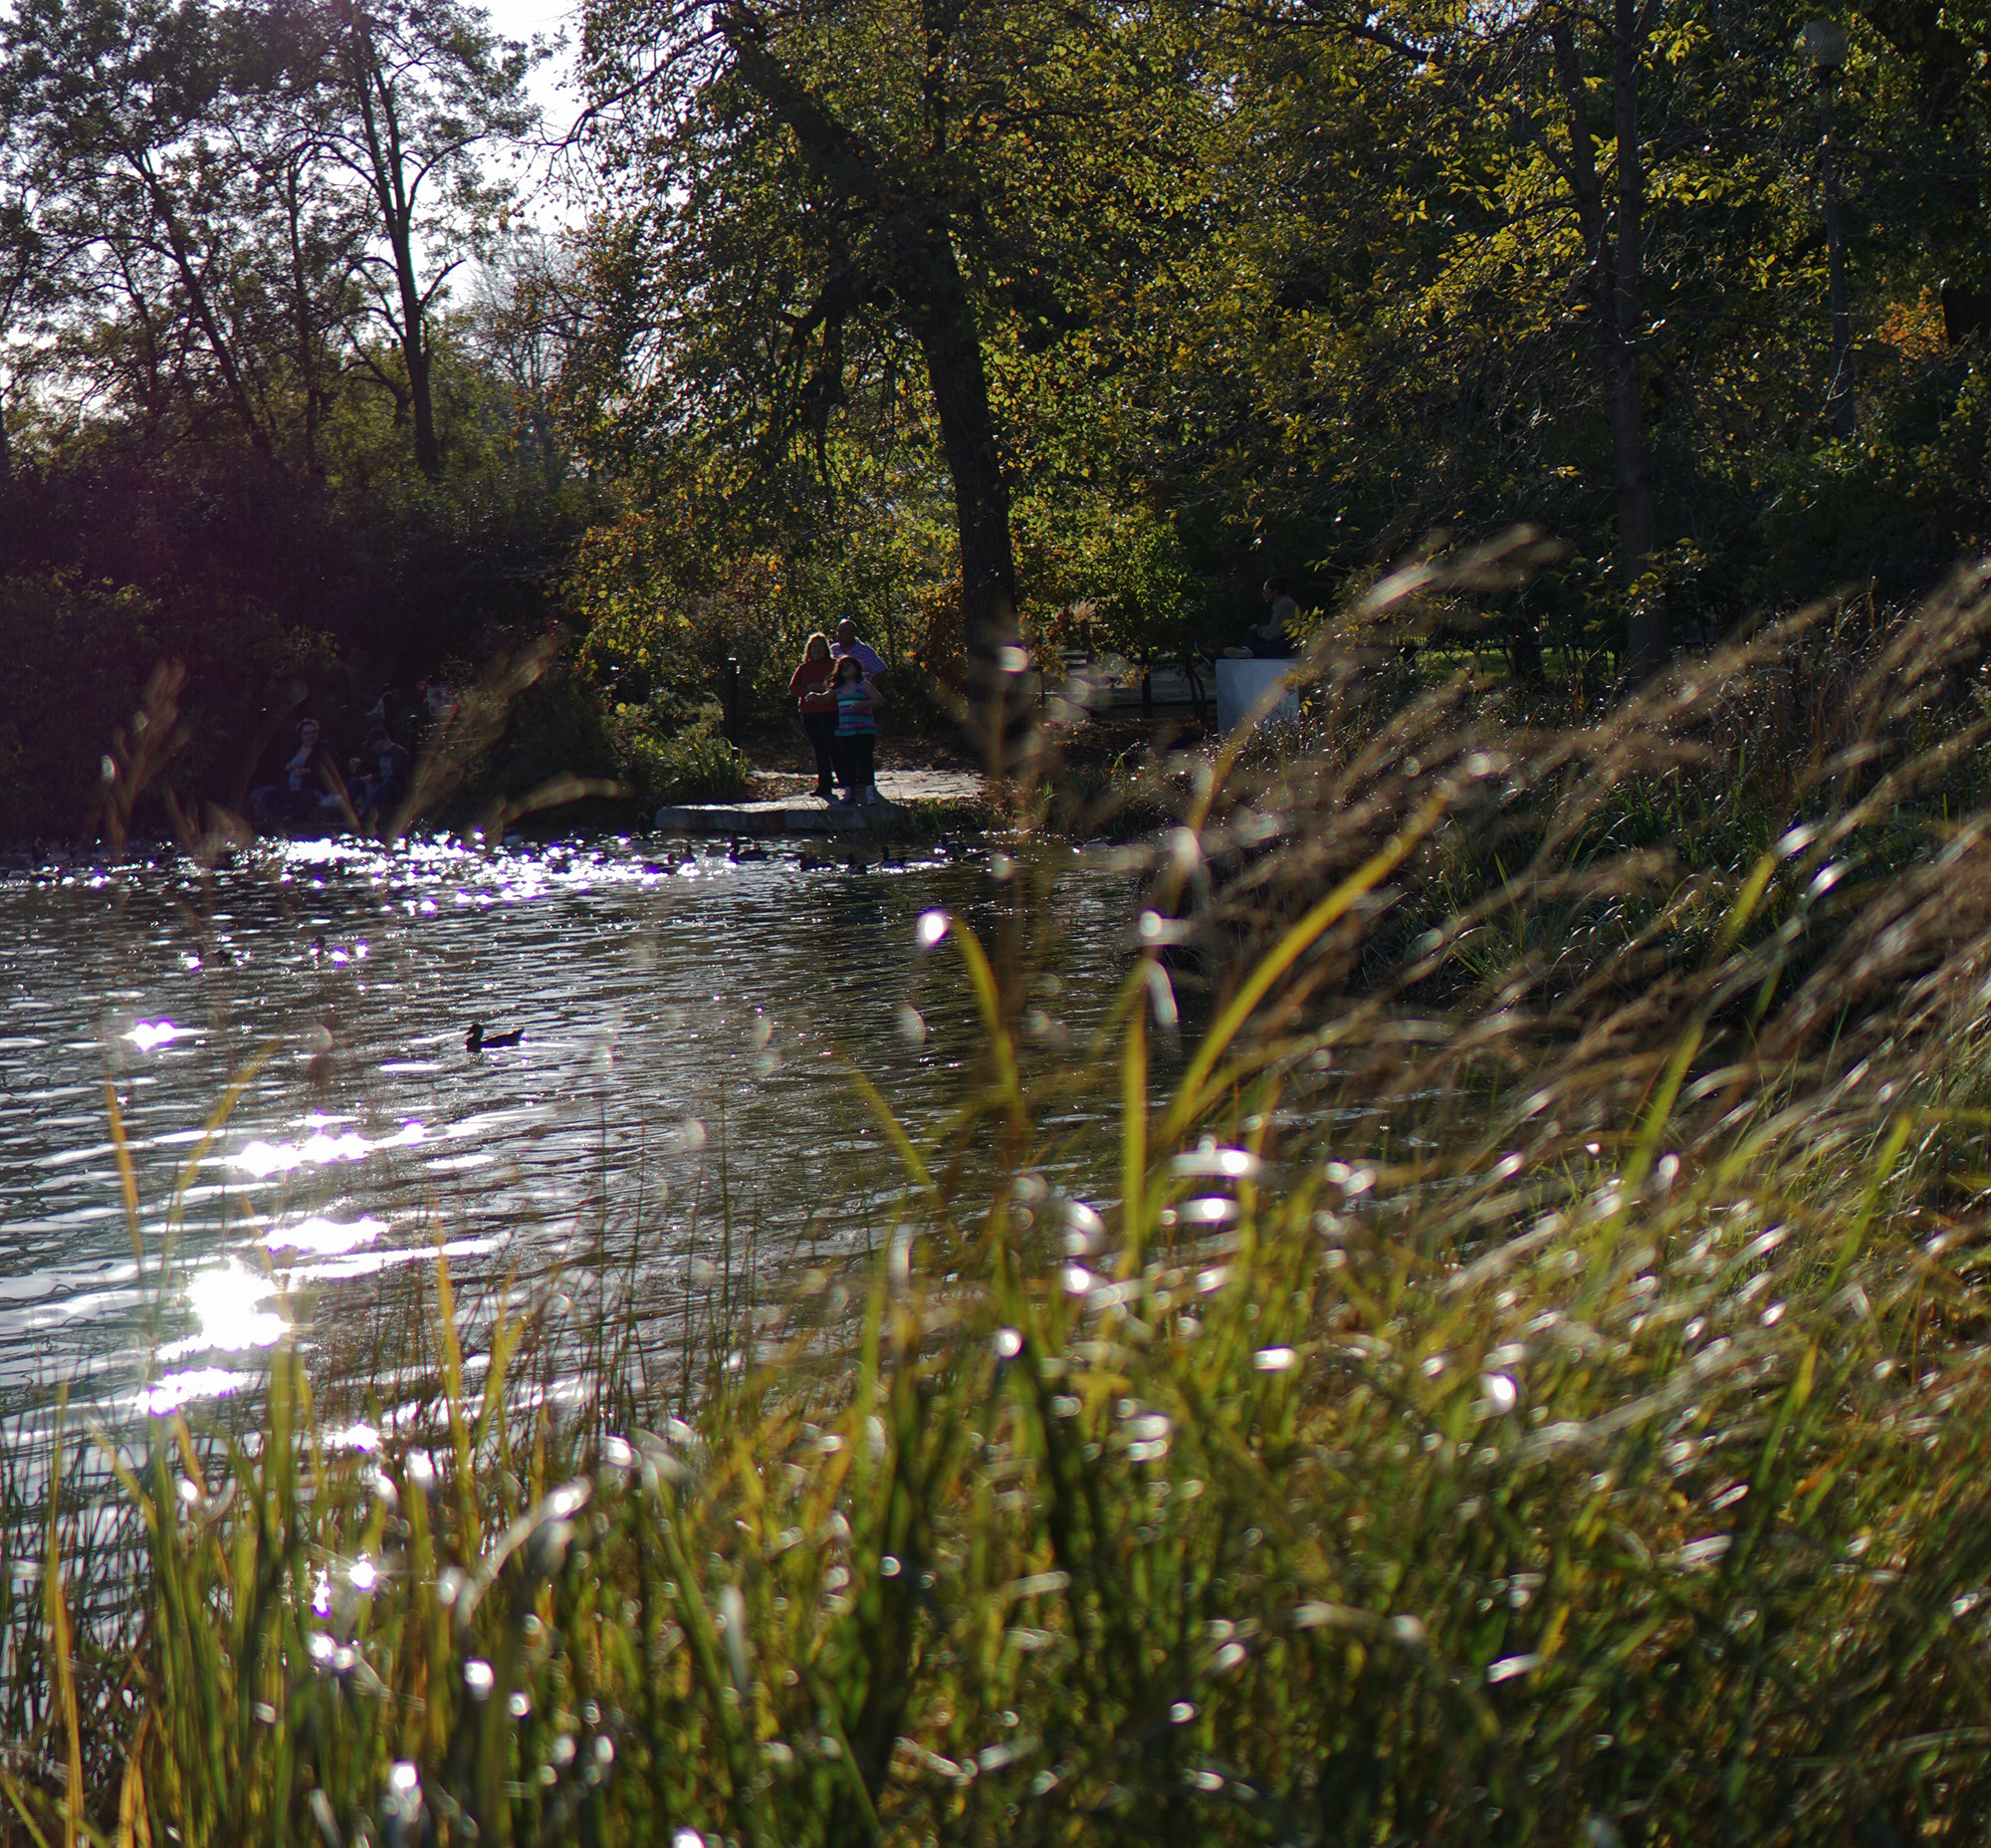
(810, 687)
(298, 792)
(1270, 639)
(384, 782)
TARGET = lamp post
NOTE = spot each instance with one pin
(1823, 41)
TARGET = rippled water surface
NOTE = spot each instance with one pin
(682, 1098)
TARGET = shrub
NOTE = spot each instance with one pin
(80, 651)
(685, 761)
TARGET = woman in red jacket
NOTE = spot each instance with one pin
(811, 687)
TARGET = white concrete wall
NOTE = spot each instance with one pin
(1239, 685)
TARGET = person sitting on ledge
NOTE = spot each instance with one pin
(1269, 641)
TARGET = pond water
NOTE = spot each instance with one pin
(285, 1040)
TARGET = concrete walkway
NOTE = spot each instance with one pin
(802, 813)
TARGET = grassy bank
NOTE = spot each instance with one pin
(1530, 1385)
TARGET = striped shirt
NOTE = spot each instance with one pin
(853, 710)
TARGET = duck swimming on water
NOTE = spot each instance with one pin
(478, 1040)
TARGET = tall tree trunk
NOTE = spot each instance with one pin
(180, 246)
(951, 342)
(922, 274)
(1638, 520)
(1616, 265)
(392, 194)
(306, 333)
(416, 357)
(1524, 649)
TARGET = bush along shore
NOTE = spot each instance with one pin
(1526, 1383)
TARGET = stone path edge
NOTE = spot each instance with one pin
(790, 817)
(768, 818)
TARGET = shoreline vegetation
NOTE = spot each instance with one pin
(1526, 1380)
(1529, 1386)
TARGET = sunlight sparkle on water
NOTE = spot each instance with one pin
(227, 1302)
(147, 1036)
(263, 1159)
(325, 1238)
(170, 1393)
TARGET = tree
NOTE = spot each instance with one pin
(526, 316)
(424, 85)
(1551, 261)
(313, 231)
(225, 176)
(1614, 246)
(110, 108)
(24, 272)
(179, 161)
(1504, 105)
(800, 209)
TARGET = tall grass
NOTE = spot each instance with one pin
(1529, 1386)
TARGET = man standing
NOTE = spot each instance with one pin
(868, 657)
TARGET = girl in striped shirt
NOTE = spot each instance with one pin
(856, 731)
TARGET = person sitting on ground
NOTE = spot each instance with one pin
(357, 781)
(857, 702)
(809, 686)
(383, 786)
(848, 642)
(296, 792)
